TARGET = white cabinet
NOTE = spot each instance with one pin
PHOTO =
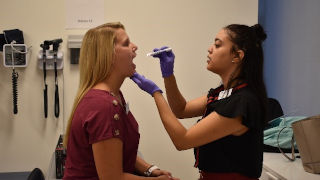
(269, 175)
(277, 167)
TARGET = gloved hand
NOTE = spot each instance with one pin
(145, 84)
(166, 61)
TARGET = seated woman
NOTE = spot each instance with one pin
(102, 136)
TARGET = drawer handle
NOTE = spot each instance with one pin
(271, 176)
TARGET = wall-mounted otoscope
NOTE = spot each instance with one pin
(45, 46)
(51, 59)
(56, 44)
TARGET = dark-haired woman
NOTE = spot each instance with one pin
(228, 139)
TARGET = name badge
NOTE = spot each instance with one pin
(224, 94)
(127, 107)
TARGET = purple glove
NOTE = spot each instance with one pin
(145, 84)
(166, 61)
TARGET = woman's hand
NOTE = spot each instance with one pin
(145, 84)
(163, 174)
(166, 61)
(158, 172)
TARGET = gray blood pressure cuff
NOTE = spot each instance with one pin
(11, 35)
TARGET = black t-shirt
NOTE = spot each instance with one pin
(239, 154)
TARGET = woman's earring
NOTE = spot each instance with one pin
(232, 61)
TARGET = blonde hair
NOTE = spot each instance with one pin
(95, 61)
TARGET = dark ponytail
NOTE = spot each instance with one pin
(249, 40)
(260, 34)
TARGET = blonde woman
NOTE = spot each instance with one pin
(102, 135)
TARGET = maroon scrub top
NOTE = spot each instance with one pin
(99, 116)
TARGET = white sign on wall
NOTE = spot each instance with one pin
(84, 13)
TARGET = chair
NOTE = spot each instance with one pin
(274, 109)
(36, 174)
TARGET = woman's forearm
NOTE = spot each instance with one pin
(175, 99)
(141, 165)
(174, 128)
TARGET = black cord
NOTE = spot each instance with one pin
(56, 104)
(55, 44)
(45, 100)
(56, 98)
(15, 91)
(45, 46)
(45, 90)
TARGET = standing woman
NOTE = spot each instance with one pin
(102, 135)
(228, 139)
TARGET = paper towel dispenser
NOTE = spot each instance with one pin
(74, 44)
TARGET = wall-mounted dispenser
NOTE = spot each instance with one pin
(74, 44)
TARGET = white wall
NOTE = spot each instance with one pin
(292, 58)
(27, 140)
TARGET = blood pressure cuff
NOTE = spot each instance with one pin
(9, 35)
(14, 34)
